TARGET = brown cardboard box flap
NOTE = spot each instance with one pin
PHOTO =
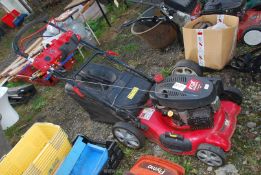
(219, 45)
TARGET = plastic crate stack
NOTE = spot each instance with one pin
(40, 151)
(13, 19)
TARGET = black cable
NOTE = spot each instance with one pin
(18, 36)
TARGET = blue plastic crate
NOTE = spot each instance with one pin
(84, 159)
(19, 20)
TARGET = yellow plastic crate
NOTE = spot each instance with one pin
(39, 152)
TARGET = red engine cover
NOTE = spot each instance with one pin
(224, 126)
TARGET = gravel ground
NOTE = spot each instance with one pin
(7, 61)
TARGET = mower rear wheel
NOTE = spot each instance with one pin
(128, 135)
(187, 67)
(211, 155)
(252, 36)
(232, 94)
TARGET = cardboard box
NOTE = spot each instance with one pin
(212, 48)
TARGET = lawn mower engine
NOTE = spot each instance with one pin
(190, 101)
(57, 56)
(189, 115)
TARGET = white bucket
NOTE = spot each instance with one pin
(9, 115)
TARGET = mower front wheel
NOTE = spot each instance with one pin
(128, 135)
(187, 67)
(211, 155)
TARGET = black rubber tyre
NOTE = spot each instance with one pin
(211, 155)
(232, 94)
(128, 135)
(252, 36)
(187, 67)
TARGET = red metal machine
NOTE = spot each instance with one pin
(250, 19)
(182, 119)
(184, 114)
(250, 27)
(58, 55)
(163, 126)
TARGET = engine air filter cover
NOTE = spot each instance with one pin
(185, 92)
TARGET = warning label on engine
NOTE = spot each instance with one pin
(147, 113)
(194, 85)
(179, 86)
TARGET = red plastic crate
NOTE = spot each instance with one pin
(9, 18)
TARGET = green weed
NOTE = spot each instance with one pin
(165, 71)
(12, 131)
(14, 84)
(123, 36)
(99, 26)
(132, 47)
(38, 103)
(15, 129)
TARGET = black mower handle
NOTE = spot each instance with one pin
(18, 36)
(104, 53)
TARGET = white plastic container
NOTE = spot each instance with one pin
(9, 115)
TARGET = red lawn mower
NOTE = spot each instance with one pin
(184, 114)
(181, 12)
(187, 117)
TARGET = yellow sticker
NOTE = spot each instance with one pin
(173, 135)
(133, 93)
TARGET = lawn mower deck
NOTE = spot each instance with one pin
(185, 141)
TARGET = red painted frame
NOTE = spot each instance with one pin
(225, 120)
